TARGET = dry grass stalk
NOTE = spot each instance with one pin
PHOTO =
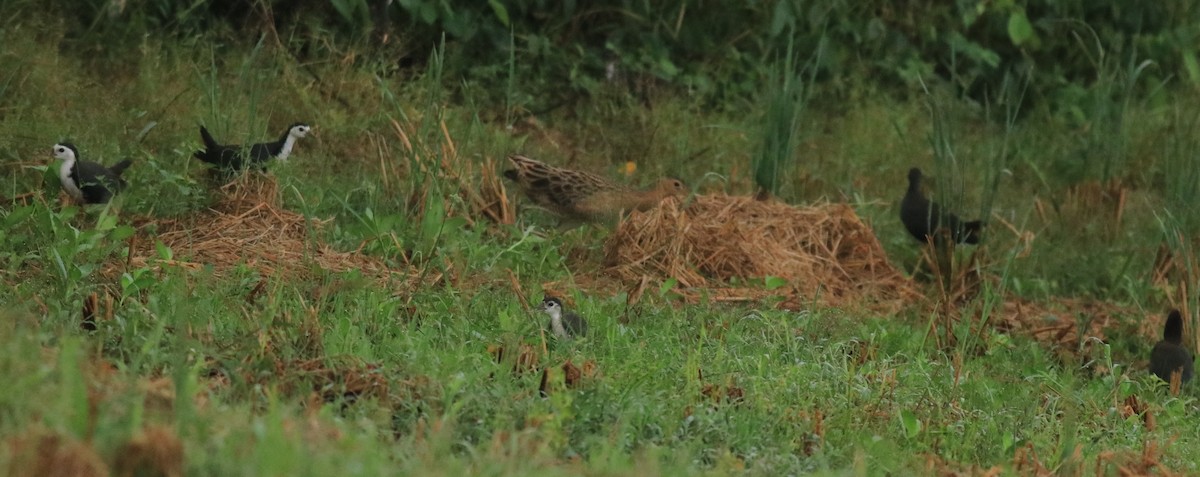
(958, 282)
(476, 182)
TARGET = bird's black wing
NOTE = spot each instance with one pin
(261, 153)
(97, 182)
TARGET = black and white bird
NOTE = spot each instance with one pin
(233, 157)
(924, 218)
(564, 324)
(85, 181)
(1169, 355)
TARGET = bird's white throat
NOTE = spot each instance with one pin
(64, 177)
(556, 324)
(287, 148)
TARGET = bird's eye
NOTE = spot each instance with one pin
(59, 150)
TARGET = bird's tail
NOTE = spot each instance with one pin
(209, 142)
(120, 167)
(972, 230)
(209, 145)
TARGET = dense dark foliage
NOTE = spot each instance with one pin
(720, 50)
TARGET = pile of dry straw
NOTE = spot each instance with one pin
(825, 252)
(248, 225)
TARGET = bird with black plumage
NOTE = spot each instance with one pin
(1169, 355)
(88, 182)
(927, 220)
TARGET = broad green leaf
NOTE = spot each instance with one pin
(667, 286)
(121, 232)
(344, 8)
(1019, 28)
(1191, 65)
(164, 252)
(501, 12)
(106, 221)
(912, 425)
(18, 214)
(775, 282)
(783, 17)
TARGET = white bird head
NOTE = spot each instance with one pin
(299, 130)
(65, 151)
(552, 306)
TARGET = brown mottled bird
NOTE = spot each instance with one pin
(1169, 355)
(581, 195)
(924, 218)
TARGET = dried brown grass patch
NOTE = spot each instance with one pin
(939, 466)
(44, 453)
(154, 451)
(525, 358)
(341, 379)
(1133, 406)
(826, 253)
(1124, 463)
(1057, 323)
(247, 225)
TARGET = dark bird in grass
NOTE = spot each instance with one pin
(85, 181)
(583, 196)
(924, 218)
(233, 157)
(1169, 355)
(564, 324)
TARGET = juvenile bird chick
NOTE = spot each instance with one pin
(564, 324)
(924, 218)
(1170, 355)
(584, 196)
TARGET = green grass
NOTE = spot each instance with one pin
(825, 391)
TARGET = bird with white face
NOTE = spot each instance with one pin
(85, 181)
(563, 324)
(233, 157)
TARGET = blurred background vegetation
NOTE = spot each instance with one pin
(720, 51)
